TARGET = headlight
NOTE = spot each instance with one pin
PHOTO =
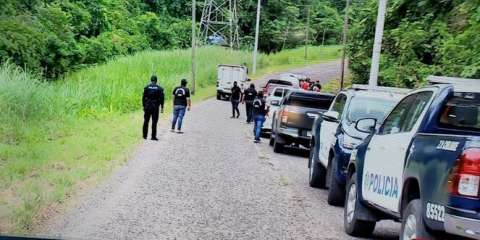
(349, 142)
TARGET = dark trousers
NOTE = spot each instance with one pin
(235, 108)
(249, 110)
(150, 113)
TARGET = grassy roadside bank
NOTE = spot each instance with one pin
(57, 137)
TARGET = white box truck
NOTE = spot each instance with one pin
(227, 74)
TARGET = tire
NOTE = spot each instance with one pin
(413, 226)
(278, 147)
(317, 172)
(219, 96)
(272, 137)
(352, 225)
(336, 192)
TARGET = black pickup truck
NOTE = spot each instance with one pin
(292, 122)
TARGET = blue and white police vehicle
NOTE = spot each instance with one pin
(334, 135)
(421, 166)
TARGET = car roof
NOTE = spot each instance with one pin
(283, 87)
(379, 95)
(376, 92)
(300, 92)
(459, 84)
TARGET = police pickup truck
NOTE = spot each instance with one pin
(421, 166)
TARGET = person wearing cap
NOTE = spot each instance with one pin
(153, 98)
(181, 103)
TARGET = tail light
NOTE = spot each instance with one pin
(465, 177)
(284, 115)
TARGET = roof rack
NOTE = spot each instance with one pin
(381, 89)
(459, 84)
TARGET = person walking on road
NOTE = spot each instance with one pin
(260, 110)
(248, 98)
(235, 99)
(153, 98)
(181, 103)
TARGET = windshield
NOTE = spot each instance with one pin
(369, 107)
(462, 112)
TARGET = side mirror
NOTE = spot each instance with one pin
(275, 103)
(331, 116)
(249, 80)
(366, 125)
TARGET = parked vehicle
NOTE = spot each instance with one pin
(227, 74)
(334, 135)
(421, 166)
(293, 121)
(273, 101)
(283, 81)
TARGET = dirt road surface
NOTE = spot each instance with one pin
(212, 182)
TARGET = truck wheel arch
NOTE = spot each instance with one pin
(411, 191)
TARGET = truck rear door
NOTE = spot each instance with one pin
(302, 109)
(229, 74)
(388, 150)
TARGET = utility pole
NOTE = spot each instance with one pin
(194, 44)
(323, 38)
(345, 35)
(307, 28)
(377, 45)
(257, 32)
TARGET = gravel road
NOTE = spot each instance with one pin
(212, 182)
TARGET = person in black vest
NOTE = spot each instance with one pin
(260, 110)
(248, 98)
(153, 99)
(181, 103)
(235, 99)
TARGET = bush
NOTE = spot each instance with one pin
(421, 38)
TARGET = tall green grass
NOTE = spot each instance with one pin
(56, 135)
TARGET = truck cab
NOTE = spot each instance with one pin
(421, 166)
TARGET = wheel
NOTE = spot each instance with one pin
(336, 192)
(272, 136)
(219, 96)
(352, 225)
(413, 226)
(317, 172)
(277, 147)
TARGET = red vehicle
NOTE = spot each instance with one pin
(273, 83)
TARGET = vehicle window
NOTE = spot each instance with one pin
(309, 102)
(406, 113)
(339, 104)
(278, 92)
(462, 111)
(369, 107)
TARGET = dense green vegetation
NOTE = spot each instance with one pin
(56, 135)
(422, 37)
(53, 37)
